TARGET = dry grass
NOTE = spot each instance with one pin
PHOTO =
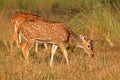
(104, 66)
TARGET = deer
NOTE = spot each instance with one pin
(16, 20)
(56, 33)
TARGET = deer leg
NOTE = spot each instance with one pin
(25, 49)
(54, 48)
(20, 40)
(45, 46)
(63, 49)
(17, 40)
(12, 41)
(36, 47)
(14, 38)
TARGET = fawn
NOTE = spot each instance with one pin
(57, 33)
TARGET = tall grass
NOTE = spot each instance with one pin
(98, 19)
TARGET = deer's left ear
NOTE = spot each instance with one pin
(82, 37)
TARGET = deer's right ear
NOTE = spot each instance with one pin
(82, 37)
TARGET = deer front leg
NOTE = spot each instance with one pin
(63, 49)
(45, 46)
(36, 47)
(20, 39)
(54, 48)
(25, 49)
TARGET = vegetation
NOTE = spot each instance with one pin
(96, 19)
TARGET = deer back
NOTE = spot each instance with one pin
(45, 30)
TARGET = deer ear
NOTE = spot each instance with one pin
(82, 37)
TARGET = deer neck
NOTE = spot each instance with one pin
(74, 39)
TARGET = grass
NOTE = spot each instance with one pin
(96, 19)
(105, 66)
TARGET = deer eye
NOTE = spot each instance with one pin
(88, 46)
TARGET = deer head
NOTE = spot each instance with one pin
(86, 45)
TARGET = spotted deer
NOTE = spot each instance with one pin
(57, 33)
(19, 19)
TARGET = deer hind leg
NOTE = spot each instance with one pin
(12, 41)
(25, 49)
(63, 49)
(14, 38)
(54, 48)
(17, 40)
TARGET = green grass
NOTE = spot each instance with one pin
(96, 19)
